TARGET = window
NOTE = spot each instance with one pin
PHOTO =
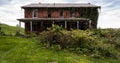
(49, 14)
(72, 14)
(35, 13)
(61, 13)
(81, 12)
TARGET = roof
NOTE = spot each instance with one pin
(51, 19)
(58, 5)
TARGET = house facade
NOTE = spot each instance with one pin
(40, 16)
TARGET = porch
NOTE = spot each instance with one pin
(40, 24)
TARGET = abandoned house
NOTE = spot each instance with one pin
(40, 16)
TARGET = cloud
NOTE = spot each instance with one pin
(109, 16)
(4, 2)
(10, 10)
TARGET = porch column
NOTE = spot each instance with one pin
(31, 26)
(53, 22)
(77, 24)
(65, 24)
(90, 23)
(41, 26)
(19, 26)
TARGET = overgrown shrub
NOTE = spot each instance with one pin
(52, 36)
(1, 32)
(96, 43)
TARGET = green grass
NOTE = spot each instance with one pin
(22, 50)
(27, 50)
(10, 29)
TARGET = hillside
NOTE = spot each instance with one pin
(15, 49)
(10, 29)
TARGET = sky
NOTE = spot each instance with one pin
(109, 16)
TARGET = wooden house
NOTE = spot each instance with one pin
(40, 16)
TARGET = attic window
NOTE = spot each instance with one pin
(35, 13)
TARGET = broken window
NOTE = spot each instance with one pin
(49, 14)
(35, 13)
(72, 14)
(61, 13)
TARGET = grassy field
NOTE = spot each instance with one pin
(10, 29)
(22, 50)
(27, 50)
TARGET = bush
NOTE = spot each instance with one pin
(96, 43)
(1, 32)
(50, 37)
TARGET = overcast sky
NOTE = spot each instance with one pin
(109, 17)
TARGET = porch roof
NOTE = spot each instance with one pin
(52, 19)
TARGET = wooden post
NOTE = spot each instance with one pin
(90, 24)
(53, 22)
(65, 24)
(41, 26)
(77, 24)
(31, 26)
(19, 26)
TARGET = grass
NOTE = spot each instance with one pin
(27, 50)
(10, 29)
(22, 50)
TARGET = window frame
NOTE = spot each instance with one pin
(35, 11)
(61, 13)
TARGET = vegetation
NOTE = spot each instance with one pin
(61, 46)
(10, 30)
(96, 43)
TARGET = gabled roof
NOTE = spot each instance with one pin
(59, 5)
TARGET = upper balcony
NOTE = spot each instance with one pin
(60, 10)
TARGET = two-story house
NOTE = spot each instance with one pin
(40, 16)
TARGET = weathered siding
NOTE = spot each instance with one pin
(28, 13)
(55, 14)
(77, 14)
(90, 13)
(42, 13)
(66, 13)
(27, 27)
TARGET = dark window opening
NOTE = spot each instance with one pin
(35, 11)
(49, 14)
(72, 14)
(61, 13)
(81, 12)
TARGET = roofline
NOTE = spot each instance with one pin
(61, 7)
(94, 6)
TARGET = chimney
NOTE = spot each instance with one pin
(54, 4)
(88, 3)
(39, 2)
